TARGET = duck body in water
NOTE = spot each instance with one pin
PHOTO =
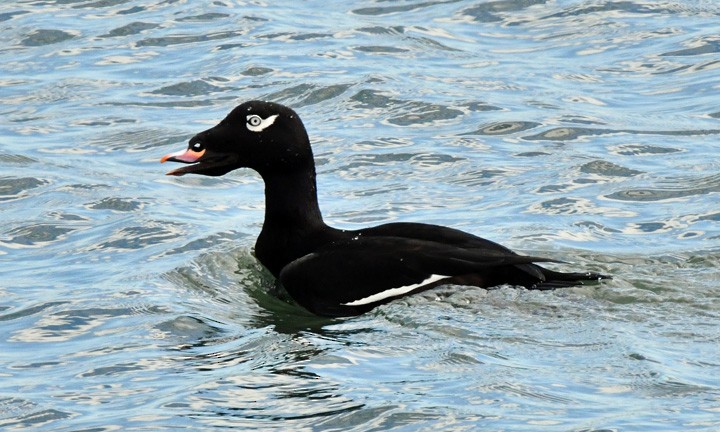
(333, 272)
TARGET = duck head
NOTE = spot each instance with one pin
(263, 136)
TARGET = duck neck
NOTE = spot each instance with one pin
(291, 202)
(293, 224)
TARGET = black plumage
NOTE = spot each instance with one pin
(336, 272)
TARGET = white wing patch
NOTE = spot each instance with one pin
(257, 124)
(394, 292)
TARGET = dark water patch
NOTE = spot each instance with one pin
(715, 217)
(456, 360)
(101, 4)
(29, 311)
(305, 94)
(35, 235)
(651, 227)
(702, 46)
(582, 120)
(46, 37)
(286, 395)
(379, 49)
(608, 169)
(480, 107)
(642, 195)
(543, 394)
(702, 186)
(189, 88)
(630, 7)
(643, 150)
(323, 94)
(188, 327)
(130, 29)
(427, 42)
(573, 133)
(36, 419)
(670, 387)
(36, 365)
(275, 36)
(289, 36)
(139, 237)
(381, 30)
(188, 39)
(476, 178)
(382, 143)
(423, 113)
(291, 93)
(82, 187)
(257, 71)
(364, 160)
(132, 10)
(531, 154)
(493, 11)
(6, 16)
(310, 36)
(413, 113)
(117, 204)
(14, 159)
(371, 99)
(386, 10)
(114, 370)
(504, 128)
(71, 323)
(108, 121)
(12, 188)
(598, 227)
(211, 16)
(435, 160)
(64, 216)
(206, 242)
(560, 206)
(230, 46)
(176, 103)
(566, 134)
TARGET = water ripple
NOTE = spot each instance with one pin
(47, 37)
(166, 41)
(553, 127)
(700, 186)
(12, 188)
(35, 235)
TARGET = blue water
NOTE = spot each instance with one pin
(586, 131)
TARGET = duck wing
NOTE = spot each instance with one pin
(528, 275)
(350, 277)
(434, 233)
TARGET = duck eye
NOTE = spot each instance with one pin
(255, 123)
(197, 147)
(254, 120)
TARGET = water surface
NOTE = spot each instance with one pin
(582, 130)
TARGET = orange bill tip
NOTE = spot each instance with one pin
(186, 156)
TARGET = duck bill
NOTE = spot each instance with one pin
(199, 162)
(187, 156)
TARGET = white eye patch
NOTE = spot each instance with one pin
(256, 123)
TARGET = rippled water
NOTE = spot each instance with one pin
(583, 130)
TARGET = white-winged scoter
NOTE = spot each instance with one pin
(335, 272)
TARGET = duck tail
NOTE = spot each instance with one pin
(555, 279)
